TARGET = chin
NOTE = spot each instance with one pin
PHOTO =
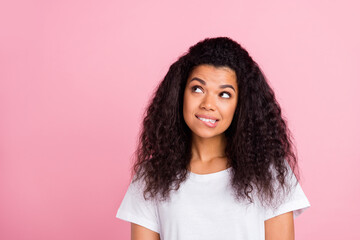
(206, 135)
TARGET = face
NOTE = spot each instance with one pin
(210, 100)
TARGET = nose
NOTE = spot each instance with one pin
(208, 103)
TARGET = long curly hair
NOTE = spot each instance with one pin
(259, 146)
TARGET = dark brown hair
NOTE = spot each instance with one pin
(259, 142)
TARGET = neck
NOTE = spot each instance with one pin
(207, 149)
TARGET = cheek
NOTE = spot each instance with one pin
(188, 100)
(230, 111)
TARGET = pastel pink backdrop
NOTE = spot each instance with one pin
(75, 78)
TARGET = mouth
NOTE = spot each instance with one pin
(210, 122)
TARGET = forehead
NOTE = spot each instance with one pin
(217, 75)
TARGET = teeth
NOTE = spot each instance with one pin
(207, 120)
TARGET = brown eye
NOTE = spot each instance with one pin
(193, 89)
(227, 95)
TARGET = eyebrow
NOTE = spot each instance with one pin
(204, 83)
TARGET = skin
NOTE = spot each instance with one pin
(213, 91)
(280, 227)
(141, 233)
(204, 95)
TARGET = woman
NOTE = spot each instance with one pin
(215, 159)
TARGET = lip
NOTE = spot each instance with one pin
(209, 124)
(207, 117)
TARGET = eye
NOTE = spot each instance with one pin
(227, 94)
(193, 89)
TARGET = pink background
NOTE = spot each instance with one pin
(75, 77)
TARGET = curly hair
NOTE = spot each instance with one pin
(259, 146)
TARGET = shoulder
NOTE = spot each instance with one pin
(287, 198)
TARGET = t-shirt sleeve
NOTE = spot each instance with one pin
(295, 201)
(135, 209)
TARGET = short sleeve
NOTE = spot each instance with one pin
(295, 201)
(134, 208)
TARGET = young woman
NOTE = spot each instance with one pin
(215, 158)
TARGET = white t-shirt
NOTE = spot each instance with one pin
(204, 208)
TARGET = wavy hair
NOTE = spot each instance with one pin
(259, 146)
